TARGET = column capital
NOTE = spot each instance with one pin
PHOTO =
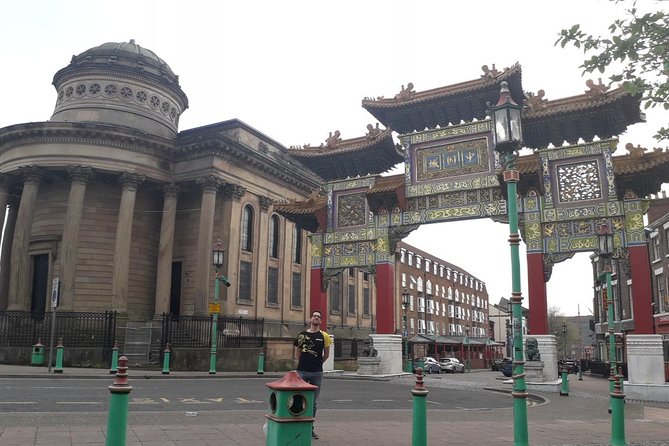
(265, 203)
(171, 190)
(80, 174)
(31, 174)
(234, 191)
(131, 181)
(210, 183)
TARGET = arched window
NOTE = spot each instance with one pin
(274, 237)
(297, 245)
(247, 228)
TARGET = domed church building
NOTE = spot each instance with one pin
(114, 209)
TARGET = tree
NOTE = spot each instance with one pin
(555, 320)
(636, 54)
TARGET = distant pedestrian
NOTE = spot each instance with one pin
(312, 348)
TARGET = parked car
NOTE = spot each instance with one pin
(430, 365)
(507, 368)
(569, 364)
(498, 363)
(451, 365)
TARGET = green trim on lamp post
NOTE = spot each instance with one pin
(507, 136)
(217, 254)
(617, 397)
(406, 297)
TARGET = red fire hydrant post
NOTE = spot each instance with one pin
(117, 420)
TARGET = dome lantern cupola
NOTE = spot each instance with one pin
(120, 84)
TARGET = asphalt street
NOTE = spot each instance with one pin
(197, 409)
(187, 395)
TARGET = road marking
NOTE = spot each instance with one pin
(434, 402)
(18, 402)
(165, 400)
(382, 401)
(245, 401)
(343, 401)
(216, 400)
(143, 401)
(77, 402)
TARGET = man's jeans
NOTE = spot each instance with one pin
(314, 378)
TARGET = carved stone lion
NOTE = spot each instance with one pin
(532, 350)
(368, 351)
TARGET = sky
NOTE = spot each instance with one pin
(297, 70)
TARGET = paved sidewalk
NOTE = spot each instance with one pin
(579, 419)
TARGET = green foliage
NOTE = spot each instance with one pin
(639, 43)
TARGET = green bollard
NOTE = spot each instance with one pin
(419, 392)
(261, 362)
(114, 362)
(166, 360)
(38, 353)
(564, 389)
(117, 420)
(292, 405)
(59, 357)
(618, 415)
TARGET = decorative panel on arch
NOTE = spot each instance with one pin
(450, 159)
(578, 176)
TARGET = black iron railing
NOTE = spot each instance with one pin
(347, 348)
(195, 332)
(78, 329)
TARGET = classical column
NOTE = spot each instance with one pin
(20, 259)
(231, 235)
(165, 249)
(385, 298)
(642, 309)
(5, 255)
(318, 296)
(4, 194)
(68, 247)
(130, 184)
(538, 302)
(210, 185)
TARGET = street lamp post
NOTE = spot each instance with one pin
(214, 309)
(616, 403)
(507, 134)
(564, 341)
(469, 351)
(405, 335)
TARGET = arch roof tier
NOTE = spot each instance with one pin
(597, 112)
(338, 158)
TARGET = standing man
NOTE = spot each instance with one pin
(312, 348)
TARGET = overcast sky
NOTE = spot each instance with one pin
(297, 70)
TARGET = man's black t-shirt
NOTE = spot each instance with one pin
(311, 346)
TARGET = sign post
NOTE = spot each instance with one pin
(54, 304)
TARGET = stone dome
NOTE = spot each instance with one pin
(122, 84)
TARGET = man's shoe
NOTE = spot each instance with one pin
(314, 435)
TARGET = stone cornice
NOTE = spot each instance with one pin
(86, 134)
(282, 168)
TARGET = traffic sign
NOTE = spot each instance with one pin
(54, 292)
(214, 308)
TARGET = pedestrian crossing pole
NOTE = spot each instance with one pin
(117, 420)
(419, 392)
(166, 359)
(59, 357)
(114, 361)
